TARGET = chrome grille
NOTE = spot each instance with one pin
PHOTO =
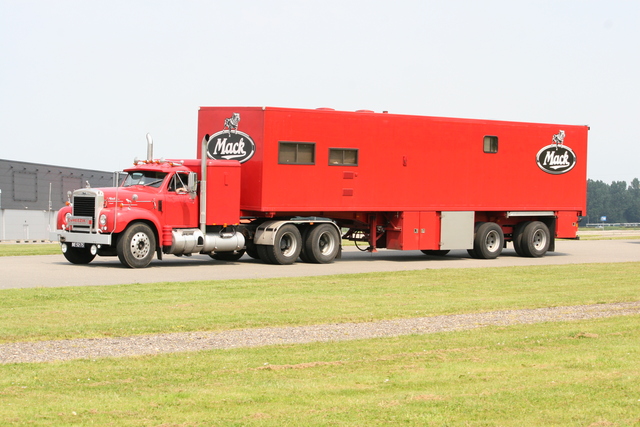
(84, 206)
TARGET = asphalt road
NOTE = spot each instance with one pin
(54, 270)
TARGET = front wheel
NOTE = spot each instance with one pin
(77, 255)
(136, 246)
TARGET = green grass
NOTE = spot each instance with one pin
(74, 312)
(583, 373)
(18, 249)
(562, 374)
(609, 237)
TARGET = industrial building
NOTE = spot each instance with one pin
(32, 193)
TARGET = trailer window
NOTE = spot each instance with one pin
(343, 156)
(490, 144)
(297, 153)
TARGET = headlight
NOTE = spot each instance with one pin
(67, 216)
(103, 219)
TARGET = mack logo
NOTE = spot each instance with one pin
(556, 158)
(230, 143)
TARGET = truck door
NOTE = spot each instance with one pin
(179, 209)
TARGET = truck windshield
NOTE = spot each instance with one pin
(150, 178)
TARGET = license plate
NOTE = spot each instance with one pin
(80, 220)
(77, 245)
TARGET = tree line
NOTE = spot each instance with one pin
(618, 202)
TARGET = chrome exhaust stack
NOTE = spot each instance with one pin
(149, 148)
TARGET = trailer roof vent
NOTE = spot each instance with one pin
(325, 109)
(365, 111)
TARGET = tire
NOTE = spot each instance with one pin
(536, 239)
(286, 248)
(487, 241)
(435, 252)
(78, 255)
(136, 246)
(227, 256)
(263, 254)
(252, 250)
(322, 244)
(305, 235)
(517, 237)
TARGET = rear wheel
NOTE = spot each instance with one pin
(77, 255)
(286, 246)
(535, 239)
(136, 246)
(322, 244)
(517, 237)
(252, 250)
(488, 241)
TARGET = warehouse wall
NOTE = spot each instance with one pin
(26, 225)
(31, 194)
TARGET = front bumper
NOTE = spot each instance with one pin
(66, 236)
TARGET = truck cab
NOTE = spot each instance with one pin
(156, 208)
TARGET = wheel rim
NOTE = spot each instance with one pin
(326, 244)
(140, 245)
(492, 242)
(288, 244)
(539, 239)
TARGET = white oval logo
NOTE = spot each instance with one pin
(556, 159)
(231, 145)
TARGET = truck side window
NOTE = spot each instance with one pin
(297, 153)
(343, 156)
(179, 183)
(490, 144)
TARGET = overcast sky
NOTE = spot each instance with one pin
(82, 82)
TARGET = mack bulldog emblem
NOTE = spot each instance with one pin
(232, 122)
(230, 143)
(556, 158)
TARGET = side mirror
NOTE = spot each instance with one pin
(192, 184)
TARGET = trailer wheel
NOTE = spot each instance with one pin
(286, 248)
(517, 237)
(322, 244)
(136, 246)
(488, 241)
(536, 239)
(227, 255)
(77, 255)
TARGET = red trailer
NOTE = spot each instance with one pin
(286, 183)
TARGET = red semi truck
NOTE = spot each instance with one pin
(282, 184)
